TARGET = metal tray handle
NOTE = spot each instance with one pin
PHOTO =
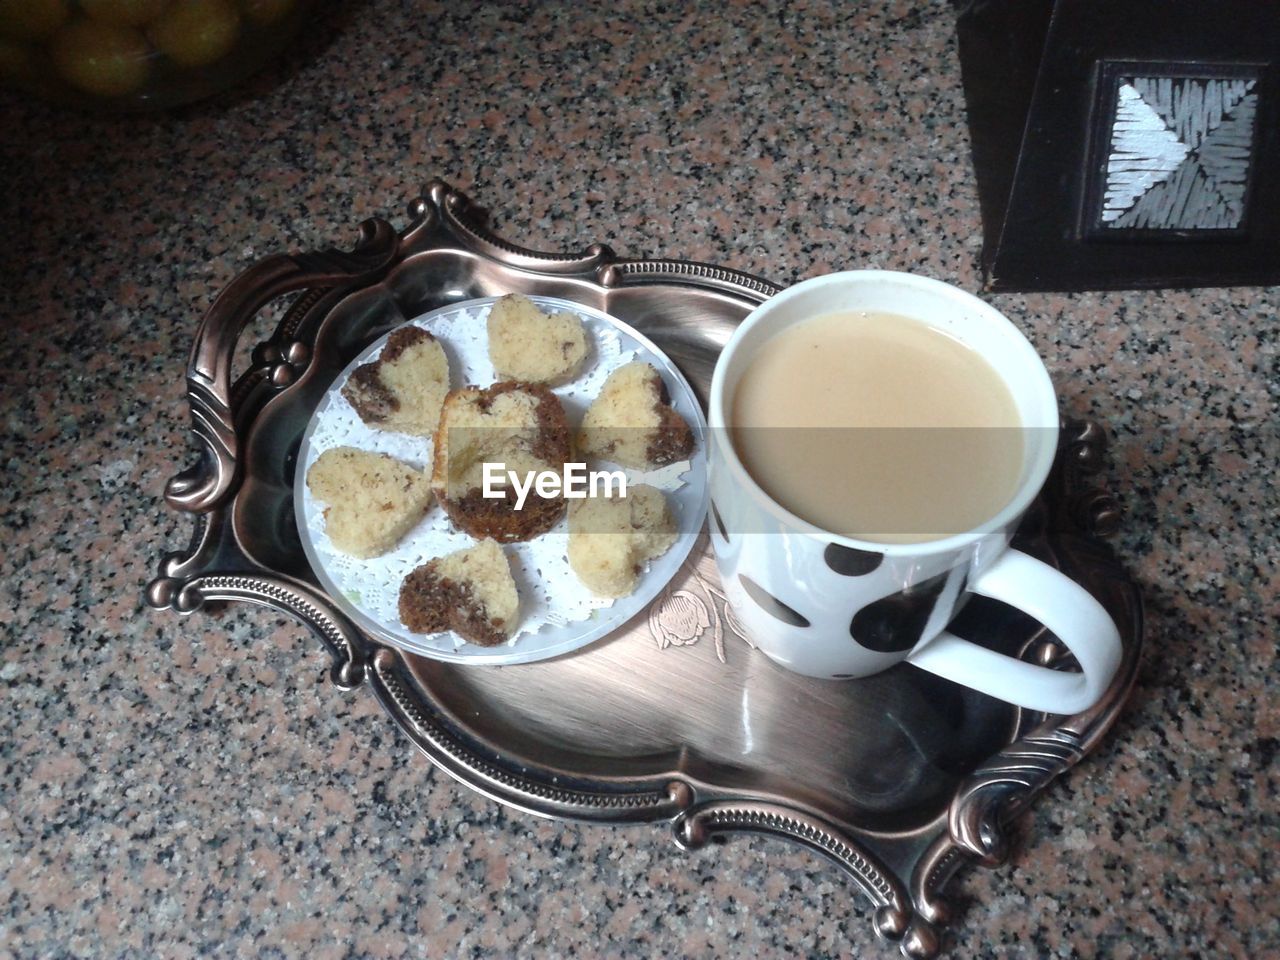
(207, 483)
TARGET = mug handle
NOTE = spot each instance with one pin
(1068, 610)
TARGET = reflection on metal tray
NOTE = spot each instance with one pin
(900, 779)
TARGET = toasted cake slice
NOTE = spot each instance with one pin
(519, 425)
(405, 387)
(632, 423)
(470, 592)
(529, 345)
(372, 499)
(611, 539)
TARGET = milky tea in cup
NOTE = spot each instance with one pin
(878, 426)
(876, 439)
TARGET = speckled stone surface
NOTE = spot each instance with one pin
(181, 787)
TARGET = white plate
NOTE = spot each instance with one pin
(558, 614)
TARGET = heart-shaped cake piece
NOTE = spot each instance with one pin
(470, 592)
(405, 387)
(372, 500)
(514, 427)
(612, 538)
(632, 422)
(536, 347)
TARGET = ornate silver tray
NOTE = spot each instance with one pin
(901, 779)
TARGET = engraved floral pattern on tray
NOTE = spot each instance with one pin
(682, 616)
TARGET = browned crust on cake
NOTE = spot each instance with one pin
(364, 389)
(372, 401)
(673, 439)
(493, 519)
(401, 340)
(499, 520)
(430, 603)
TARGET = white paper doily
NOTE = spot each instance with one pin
(557, 613)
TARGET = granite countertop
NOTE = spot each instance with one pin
(177, 787)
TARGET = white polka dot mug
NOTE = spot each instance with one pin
(838, 607)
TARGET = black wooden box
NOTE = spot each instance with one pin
(1125, 143)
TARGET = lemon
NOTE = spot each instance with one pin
(264, 12)
(32, 19)
(196, 32)
(129, 13)
(100, 58)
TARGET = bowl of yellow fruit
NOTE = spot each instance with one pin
(139, 54)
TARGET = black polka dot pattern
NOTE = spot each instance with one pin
(849, 562)
(771, 604)
(719, 522)
(895, 623)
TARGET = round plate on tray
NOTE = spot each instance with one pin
(558, 614)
